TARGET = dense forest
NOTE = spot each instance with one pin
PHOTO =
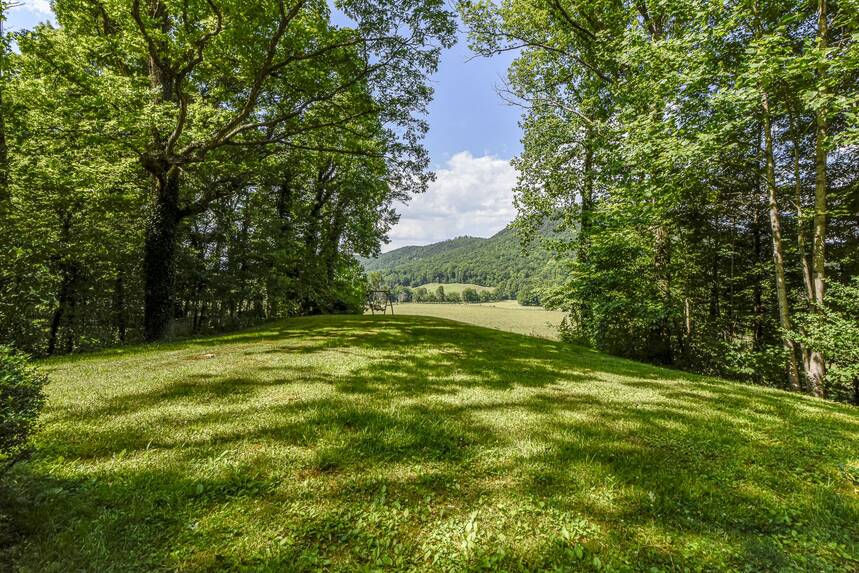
(175, 166)
(499, 262)
(708, 153)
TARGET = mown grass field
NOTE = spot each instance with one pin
(451, 288)
(349, 443)
(504, 315)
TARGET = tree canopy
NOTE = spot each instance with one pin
(706, 151)
(182, 165)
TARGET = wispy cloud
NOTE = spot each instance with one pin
(470, 196)
(40, 7)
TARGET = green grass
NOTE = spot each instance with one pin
(509, 303)
(505, 315)
(416, 443)
(450, 288)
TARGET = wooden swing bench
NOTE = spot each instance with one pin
(379, 300)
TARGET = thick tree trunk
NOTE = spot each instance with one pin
(778, 253)
(57, 318)
(159, 249)
(159, 254)
(817, 366)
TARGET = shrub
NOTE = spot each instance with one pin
(834, 331)
(528, 297)
(21, 399)
(470, 295)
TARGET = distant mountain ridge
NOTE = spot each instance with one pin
(498, 261)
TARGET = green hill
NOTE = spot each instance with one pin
(499, 261)
(362, 443)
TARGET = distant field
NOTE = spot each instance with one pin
(511, 304)
(505, 315)
(455, 287)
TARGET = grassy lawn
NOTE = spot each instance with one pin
(505, 315)
(451, 288)
(416, 443)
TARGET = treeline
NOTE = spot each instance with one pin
(499, 261)
(176, 166)
(423, 294)
(708, 154)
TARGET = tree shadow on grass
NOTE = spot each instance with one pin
(404, 430)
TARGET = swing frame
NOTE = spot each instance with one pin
(373, 302)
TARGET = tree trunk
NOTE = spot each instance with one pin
(159, 257)
(778, 254)
(817, 366)
(586, 312)
(71, 312)
(4, 150)
(159, 249)
(57, 318)
(332, 240)
(757, 290)
(804, 352)
(660, 344)
(120, 306)
(714, 284)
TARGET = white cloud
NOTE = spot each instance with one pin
(42, 7)
(470, 196)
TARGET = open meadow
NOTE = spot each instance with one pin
(450, 288)
(505, 315)
(350, 443)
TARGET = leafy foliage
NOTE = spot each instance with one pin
(21, 400)
(178, 166)
(834, 331)
(705, 155)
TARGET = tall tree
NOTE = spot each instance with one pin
(696, 117)
(290, 72)
(817, 366)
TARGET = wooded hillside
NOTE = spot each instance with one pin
(500, 261)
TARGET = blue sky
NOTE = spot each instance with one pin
(466, 113)
(473, 135)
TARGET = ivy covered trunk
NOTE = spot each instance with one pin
(159, 256)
